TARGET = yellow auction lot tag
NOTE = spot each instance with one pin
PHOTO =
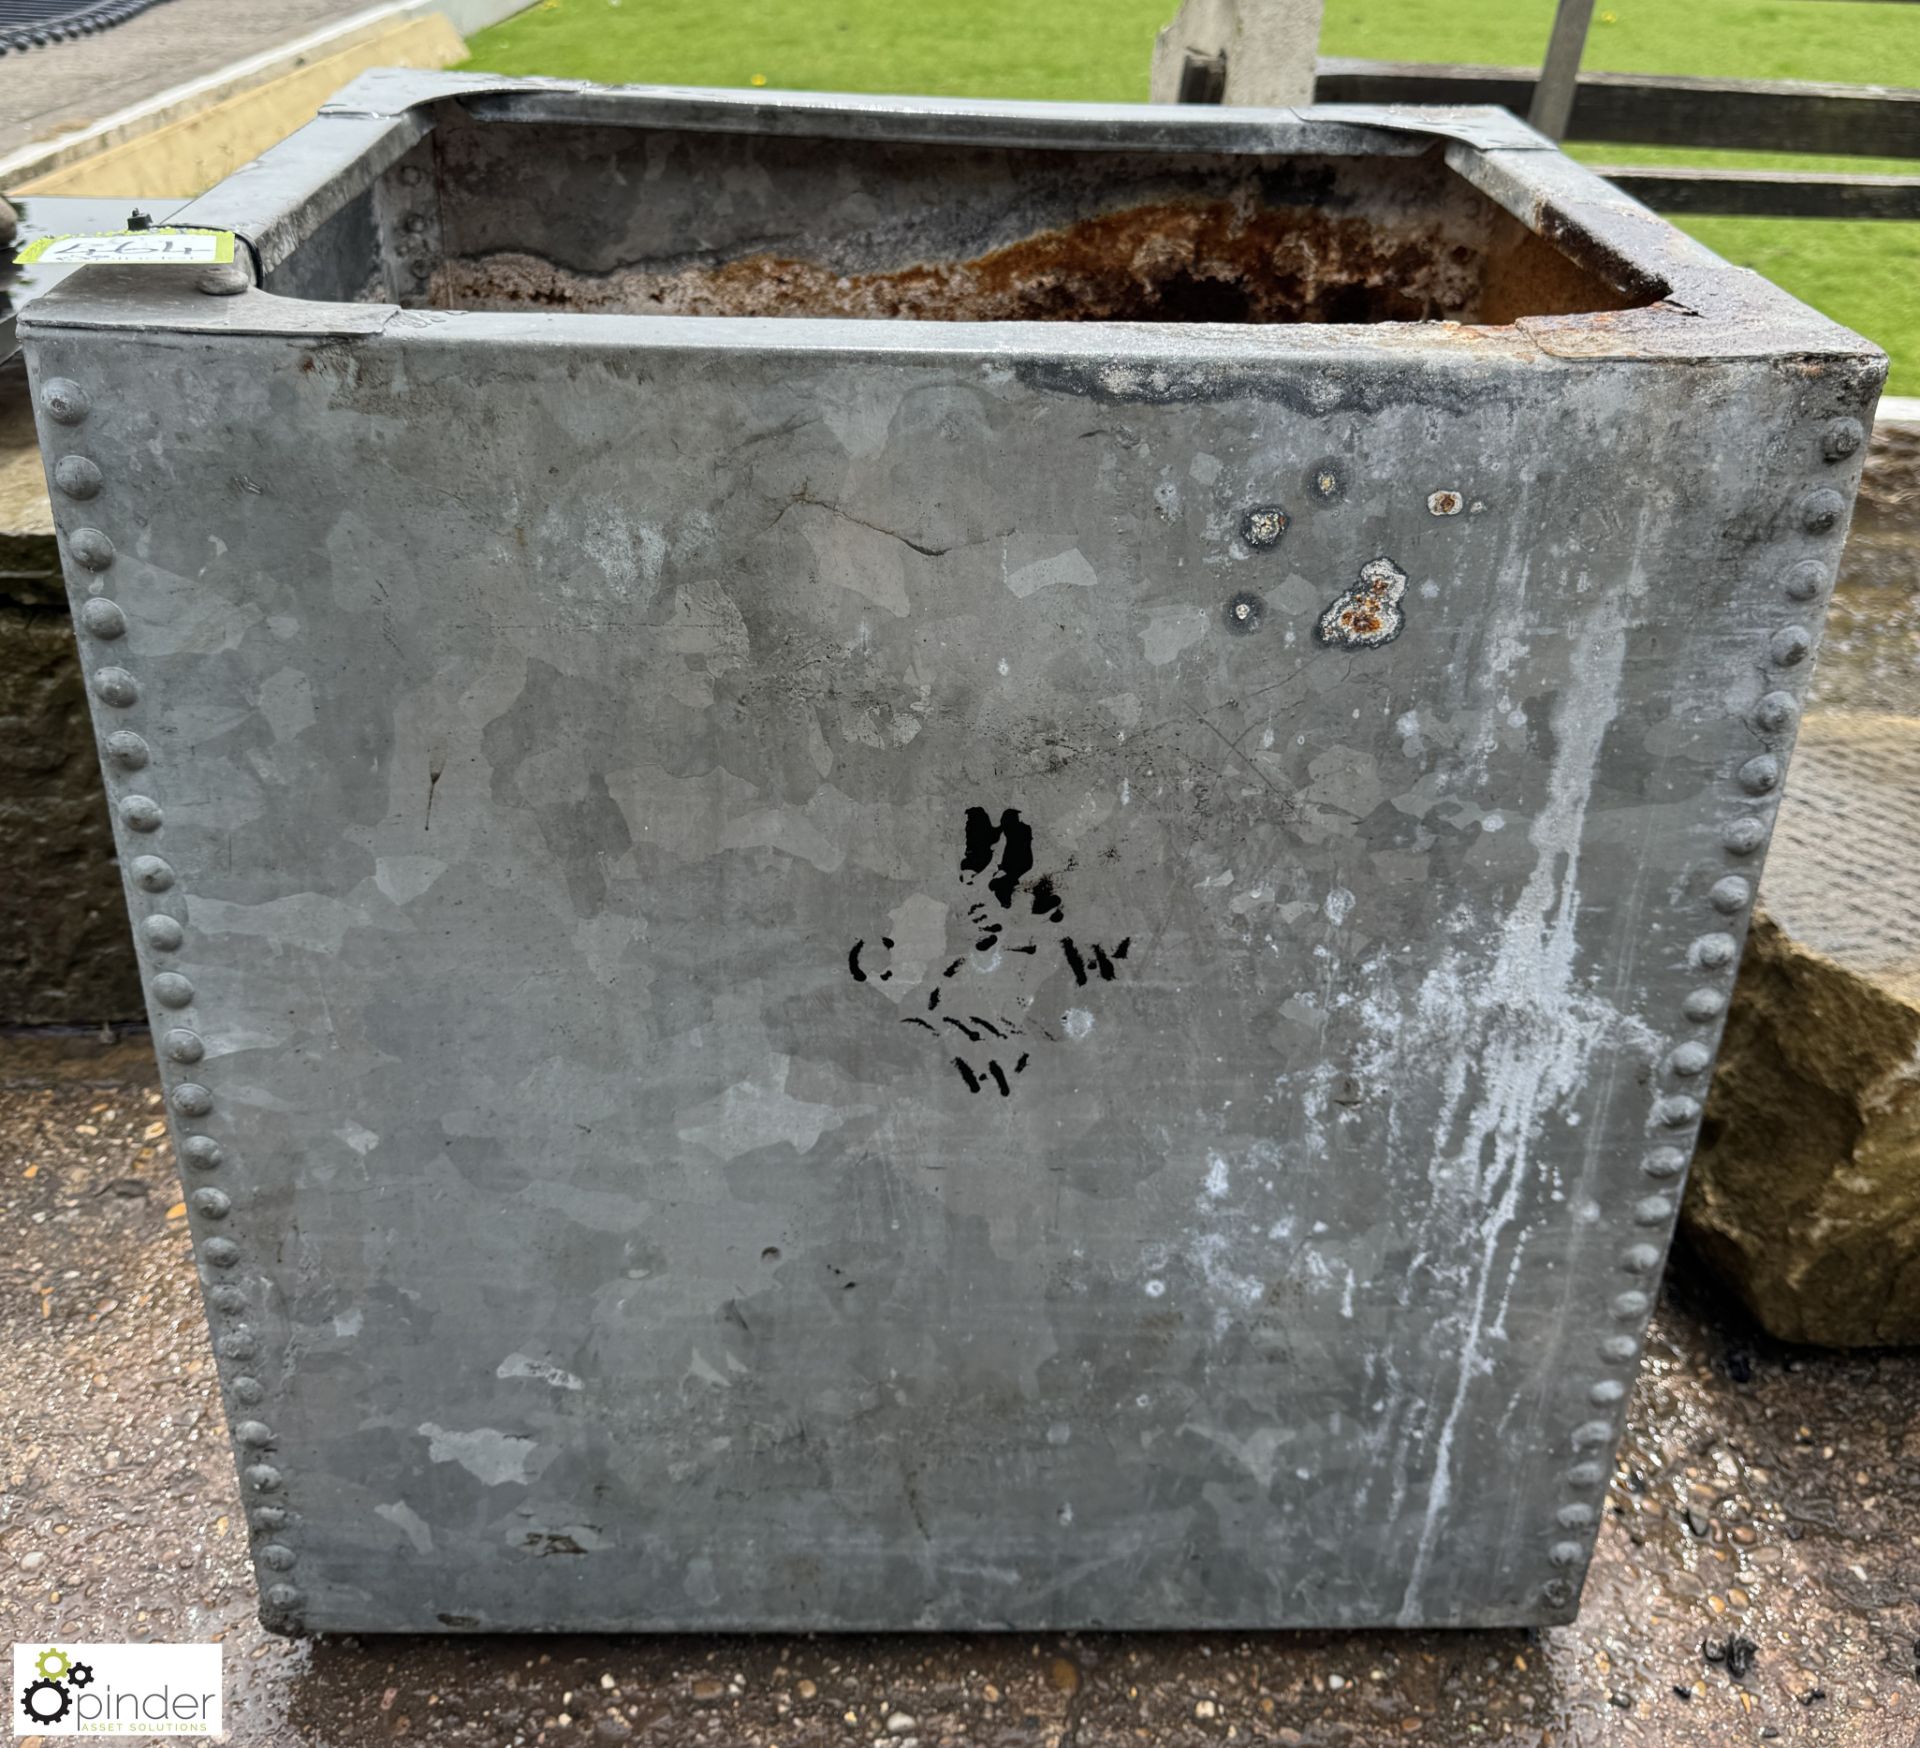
(158, 247)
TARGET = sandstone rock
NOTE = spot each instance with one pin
(1805, 1193)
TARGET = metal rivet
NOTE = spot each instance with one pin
(1731, 895)
(1712, 951)
(202, 1152)
(254, 1432)
(191, 1099)
(270, 1517)
(215, 1204)
(1744, 835)
(1586, 1475)
(248, 1390)
(1556, 1593)
(279, 1556)
(1606, 1392)
(228, 1299)
(1263, 525)
(1629, 1307)
(1566, 1553)
(1703, 1005)
(1676, 1112)
(1244, 613)
(1664, 1162)
(103, 618)
(1790, 646)
(162, 933)
(1327, 483)
(1653, 1211)
(1775, 712)
(180, 1045)
(1619, 1348)
(1841, 439)
(223, 1253)
(171, 990)
(1760, 775)
(1446, 503)
(77, 477)
(116, 686)
(1592, 1433)
(1807, 581)
(90, 548)
(151, 874)
(238, 1345)
(64, 400)
(140, 813)
(1640, 1259)
(1823, 511)
(284, 1596)
(1690, 1059)
(263, 1478)
(127, 750)
(225, 279)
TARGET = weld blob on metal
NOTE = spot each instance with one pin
(741, 942)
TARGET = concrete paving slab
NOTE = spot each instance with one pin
(1756, 1579)
(51, 91)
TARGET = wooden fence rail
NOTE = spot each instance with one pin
(1860, 121)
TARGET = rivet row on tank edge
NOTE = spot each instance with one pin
(1820, 512)
(79, 477)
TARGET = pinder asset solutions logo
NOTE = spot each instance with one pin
(115, 1690)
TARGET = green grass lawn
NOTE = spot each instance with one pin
(1864, 274)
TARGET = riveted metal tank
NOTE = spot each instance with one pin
(920, 864)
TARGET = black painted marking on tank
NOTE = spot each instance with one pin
(986, 1025)
(967, 1074)
(1073, 959)
(1020, 1066)
(1045, 898)
(1106, 965)
(999, 1079)
(1030, 947)
(915, 1020)
(951, 969)
(933, 1001)
(1120, 952)
(985, 944)
(853, 963)
(949, 1020)
(1014, 838)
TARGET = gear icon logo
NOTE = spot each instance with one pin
(45, 1701)
(49, 1698)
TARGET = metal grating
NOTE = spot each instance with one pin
(29, 24)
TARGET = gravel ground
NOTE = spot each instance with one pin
(1758, 1576)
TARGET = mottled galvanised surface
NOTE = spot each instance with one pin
(797, 991)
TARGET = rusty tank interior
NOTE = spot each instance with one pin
(615, 220)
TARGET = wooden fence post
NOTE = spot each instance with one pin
(1260, 52)
(1553, 95)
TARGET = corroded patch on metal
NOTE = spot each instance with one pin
(1263, 525)
(1368, 614)
(1244, 613)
